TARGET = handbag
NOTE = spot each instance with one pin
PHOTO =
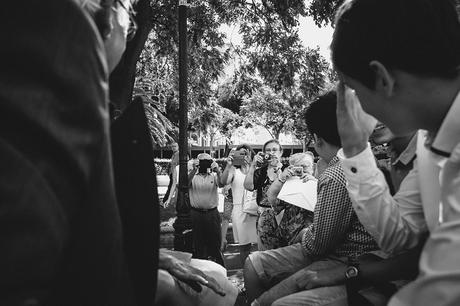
(250, 202)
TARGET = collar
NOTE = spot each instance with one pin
(448, 135)
(333, 161)
(409, 152)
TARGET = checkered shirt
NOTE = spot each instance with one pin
(336, 229)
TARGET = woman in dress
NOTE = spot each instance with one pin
(264, 170)
(243, 224)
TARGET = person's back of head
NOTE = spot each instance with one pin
(421, 37)
(321, 118)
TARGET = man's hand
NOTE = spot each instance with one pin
(214, 166)
(354, 125)
(287, 173)
(230, 160)
(321, 277)
(188, 274)
(258, 159)
(308, 177)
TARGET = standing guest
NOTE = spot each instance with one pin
(402, 60)
(226, 216)
(172, 175)
(244, 224)
(263, 171)
(334, 237)
(294, 218)
(204, 179)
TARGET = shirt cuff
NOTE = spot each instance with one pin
(359, 167)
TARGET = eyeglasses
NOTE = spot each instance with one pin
(132, 23)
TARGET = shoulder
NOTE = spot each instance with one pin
(333, 175)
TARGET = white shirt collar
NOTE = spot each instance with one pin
(409, 152)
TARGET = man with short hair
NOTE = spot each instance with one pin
(402, 59)
(204, 179)
(335, 235)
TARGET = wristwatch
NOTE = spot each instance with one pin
(351, 272)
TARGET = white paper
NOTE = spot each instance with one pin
(300, 194)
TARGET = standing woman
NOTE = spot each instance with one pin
(244, 224)
(262, 173)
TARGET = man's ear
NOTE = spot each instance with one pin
(318, 139)
(384, 81)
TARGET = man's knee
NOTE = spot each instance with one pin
(248, 266)
(166, 282)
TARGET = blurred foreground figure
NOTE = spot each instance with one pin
(61, 240)
(61, 231)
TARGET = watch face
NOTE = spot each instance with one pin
(351, 272)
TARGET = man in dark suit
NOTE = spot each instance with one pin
(61, 239)
(61, 236)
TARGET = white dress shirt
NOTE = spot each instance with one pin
(397, 223)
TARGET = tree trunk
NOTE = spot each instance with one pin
(122, 78)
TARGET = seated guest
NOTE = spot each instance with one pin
(204, 179)
(335, 236)
(401, 152)
(381, 52)
(372, 280)
(263, 171)
(294, 217)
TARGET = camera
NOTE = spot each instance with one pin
(267, 157)
(239, 158)
(298, 170)
(204, 166)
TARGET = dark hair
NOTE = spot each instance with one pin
(417, 36)
(247, 147)
(321, 118)
(272, 141)
(102, 18)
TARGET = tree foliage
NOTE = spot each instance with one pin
(271, 56)
(323, 11)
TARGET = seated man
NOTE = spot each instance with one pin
(381, 52)
(370, 279)
(335, 235)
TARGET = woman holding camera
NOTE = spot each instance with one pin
(244, 224)
(264, 170)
